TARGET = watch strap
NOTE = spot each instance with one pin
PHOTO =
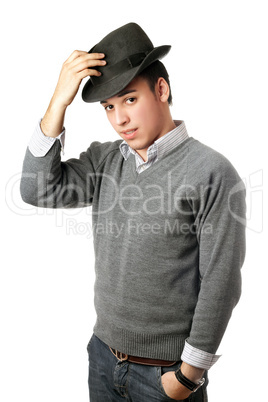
(192, 386)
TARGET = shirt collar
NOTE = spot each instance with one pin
(161, 146)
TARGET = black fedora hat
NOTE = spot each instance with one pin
(128, 51)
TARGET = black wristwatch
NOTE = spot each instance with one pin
(192, 386)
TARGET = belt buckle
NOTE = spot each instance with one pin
(119, 355)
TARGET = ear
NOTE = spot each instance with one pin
(162, 89)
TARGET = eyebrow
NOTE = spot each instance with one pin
(120, 94)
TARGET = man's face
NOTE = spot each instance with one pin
(137, 115)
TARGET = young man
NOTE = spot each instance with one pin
(168, 216)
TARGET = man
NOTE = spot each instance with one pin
(168, 217)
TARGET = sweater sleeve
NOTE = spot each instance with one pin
(49, 183)
(218, 202)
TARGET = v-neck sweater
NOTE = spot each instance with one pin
(169, 242)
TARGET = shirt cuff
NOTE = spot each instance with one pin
(40, 144)
(198, 358)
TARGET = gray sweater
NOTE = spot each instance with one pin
(169, 242)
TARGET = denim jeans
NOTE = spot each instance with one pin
(110, 380)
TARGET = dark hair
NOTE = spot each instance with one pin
(152, 73)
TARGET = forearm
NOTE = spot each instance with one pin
(192, 373)
(53, 120)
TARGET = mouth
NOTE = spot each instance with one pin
(129, 133)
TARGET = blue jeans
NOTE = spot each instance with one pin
(110, 380)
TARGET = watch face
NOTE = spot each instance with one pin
(201, 382)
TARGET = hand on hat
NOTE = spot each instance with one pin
(78, 66)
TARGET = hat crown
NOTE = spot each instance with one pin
(128, 50)
(125, 41)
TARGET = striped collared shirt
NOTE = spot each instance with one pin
(159, 148)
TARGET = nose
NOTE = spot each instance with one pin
(121, 117)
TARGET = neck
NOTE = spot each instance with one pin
(169, 126)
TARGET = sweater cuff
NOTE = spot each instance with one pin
(40, 144)
(198, 358)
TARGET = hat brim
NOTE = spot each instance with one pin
(96, 93)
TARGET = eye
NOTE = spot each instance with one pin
(130, 100)
(108, 107)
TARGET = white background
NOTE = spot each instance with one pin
(218, 69)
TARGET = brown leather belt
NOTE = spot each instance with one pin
(141, 360)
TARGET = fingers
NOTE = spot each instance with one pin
(88, 73)
(79, 56)
(80, 61)
(88, 61)
(74, 55)
(79, 53)
(78, 66)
